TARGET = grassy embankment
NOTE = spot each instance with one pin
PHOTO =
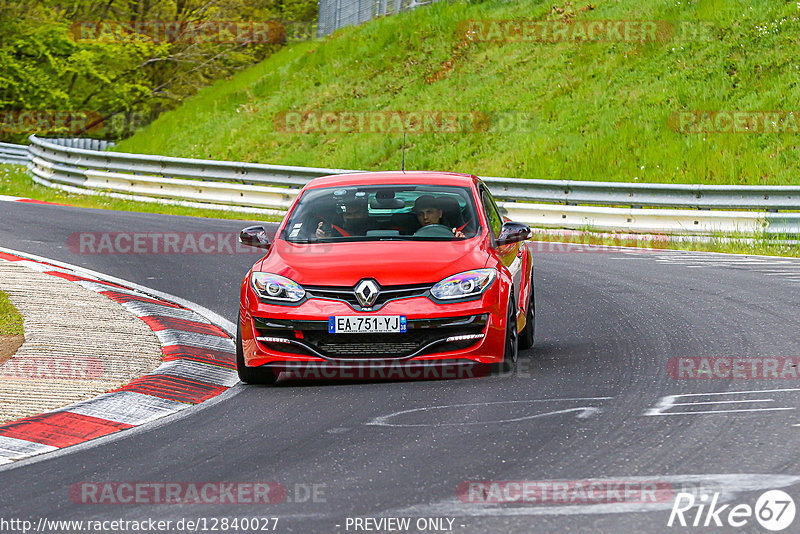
(587, 110)
(11, 330)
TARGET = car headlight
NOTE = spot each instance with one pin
(466, 284)
(273, 287)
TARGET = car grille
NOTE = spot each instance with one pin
(316, 340)
(348, 295)
(368, 349)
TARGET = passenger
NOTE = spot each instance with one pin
(429, 211)
(356, 221)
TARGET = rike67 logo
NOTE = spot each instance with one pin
(774, 510)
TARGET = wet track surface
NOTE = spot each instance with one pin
(593, 400)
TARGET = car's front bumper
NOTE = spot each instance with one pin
(459, 333)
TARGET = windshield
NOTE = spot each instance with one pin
(385, 212)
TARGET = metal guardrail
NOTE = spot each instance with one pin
(10, 153)
(687, 196)
(84, 143)
(548, 203)
(335, 14)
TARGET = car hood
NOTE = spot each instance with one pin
(388, 262)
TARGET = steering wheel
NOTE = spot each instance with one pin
(434, 230)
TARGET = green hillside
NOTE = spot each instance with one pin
(554, 108)
(11, 322)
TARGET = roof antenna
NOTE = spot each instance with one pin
(403, 167)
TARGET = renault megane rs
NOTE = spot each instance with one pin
(415, 268)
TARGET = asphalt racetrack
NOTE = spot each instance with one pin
(597, 401)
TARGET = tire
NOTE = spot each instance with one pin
(526, 336)
(511, 351)
(251, 375)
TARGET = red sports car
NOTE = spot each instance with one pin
(387, 270)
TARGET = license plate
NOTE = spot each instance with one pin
(372, 324)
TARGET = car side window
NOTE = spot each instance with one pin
(492, 215)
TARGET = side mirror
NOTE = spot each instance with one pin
(255, 236)
(513, 232)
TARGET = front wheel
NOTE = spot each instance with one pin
(511, 352)
(251, 375)
(526, 336)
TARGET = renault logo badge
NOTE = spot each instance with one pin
(366, 292)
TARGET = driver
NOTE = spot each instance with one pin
(428, 212)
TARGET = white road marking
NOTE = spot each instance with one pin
(725, 263)
(724, 411)
(730, 263)
(584, 412)
(740, 266)
(729, 259)
(668, 401)
(721, 402)
(786, 268)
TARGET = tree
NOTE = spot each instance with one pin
(119, 63)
